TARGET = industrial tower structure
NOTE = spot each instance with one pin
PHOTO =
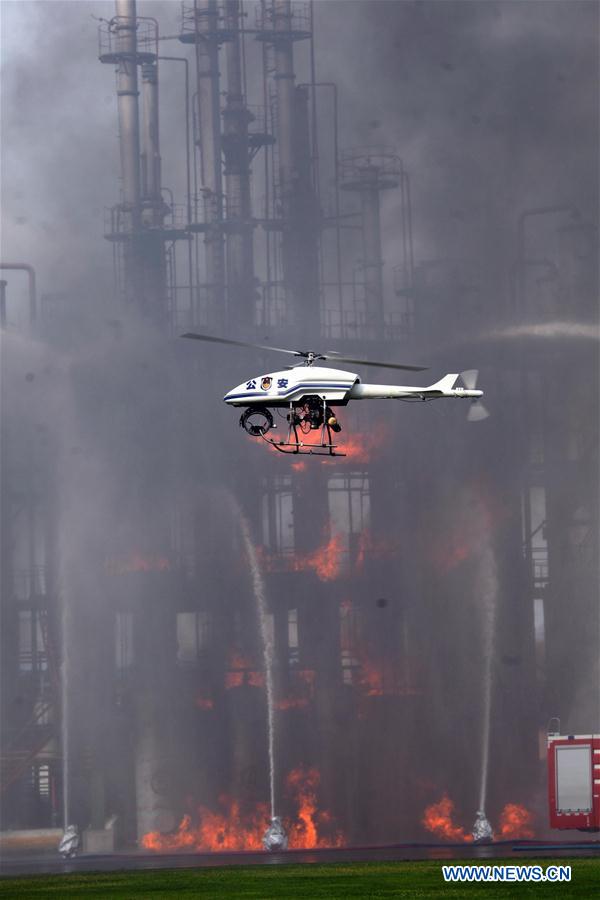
(363, 677)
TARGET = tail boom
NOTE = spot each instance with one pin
(442, 388)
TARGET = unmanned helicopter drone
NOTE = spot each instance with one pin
(308, 393)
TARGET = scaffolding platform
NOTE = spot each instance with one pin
(110, 52)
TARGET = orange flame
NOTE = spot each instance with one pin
(137, 562)
(305, 833)
(476, 515)
(437, 818)
(368, 546)
(204, 702)
(357, 447)
(241, 672)
(215, 831)
(370, 679)
(291, 703)
(451, 554)
(325, 561)
(232, 830)
(238, 661)
(361, 448)
(515, 822)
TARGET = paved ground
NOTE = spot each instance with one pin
(52, 863)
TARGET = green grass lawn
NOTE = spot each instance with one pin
(364, 880)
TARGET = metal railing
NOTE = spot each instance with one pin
(299, 22)
(28, 583)
(374, 166)
(109, 39)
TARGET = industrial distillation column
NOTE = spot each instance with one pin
(125, 25)
(137, 221)
(155, 625)
(284, 79)
(236, 117)
(367, 172)
(206, 39)
(282, 26)
(301, 243)
(152, 249)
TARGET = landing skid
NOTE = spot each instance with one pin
(300, 448)
(292, 444)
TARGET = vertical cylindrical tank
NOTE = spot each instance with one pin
(301, 239)
(3, 284)
(150, 157)
(368, 171)
(240, 269)
(284, 79)
(207, 71)
(578, 243)
(127, 102)
(151, 242)
(372, 262)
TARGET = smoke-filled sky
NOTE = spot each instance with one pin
(493, 107)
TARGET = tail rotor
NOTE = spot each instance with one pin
(477, 411)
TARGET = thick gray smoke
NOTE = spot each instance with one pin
(387, 669)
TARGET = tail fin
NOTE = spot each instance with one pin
(445, 384)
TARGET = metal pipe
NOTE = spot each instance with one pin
(3, 284)
(372, 262)
(403, 217)
(526, 214)
(284, 80)
(25, 267)
(240, 268)
(209, 123)
(124, 26)
(411, 254)
(127, 102)
(268, 152)
(188, 179)
(336, 162)
(195, 147)
(315, 144)
(301, 236)
(150, 155)
(313, 85)
(150, 243)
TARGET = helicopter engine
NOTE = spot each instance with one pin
(309, 415)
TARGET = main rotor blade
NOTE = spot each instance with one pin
(379, 365)
(218, 340)
(333, 354)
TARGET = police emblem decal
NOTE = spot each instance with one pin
(266, 383)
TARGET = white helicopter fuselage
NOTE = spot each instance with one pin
(335, 386)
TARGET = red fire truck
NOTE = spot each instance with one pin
(574, 781)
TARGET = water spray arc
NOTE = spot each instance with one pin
(267, 645)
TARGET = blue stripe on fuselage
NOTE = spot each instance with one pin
(291, 390)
